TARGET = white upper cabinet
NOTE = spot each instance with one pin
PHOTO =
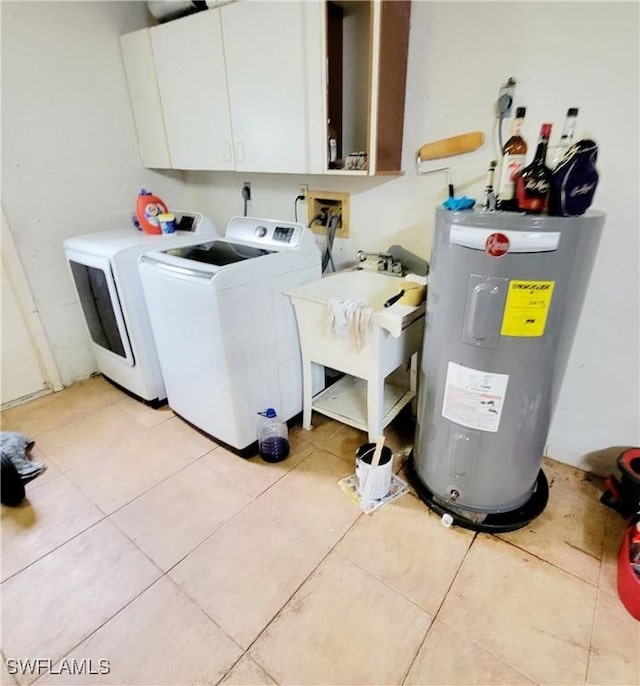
(250, 86)
(190, 68)
(273, 54)
(239, 88)
(145, 99)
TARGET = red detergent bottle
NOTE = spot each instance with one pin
(148, 207)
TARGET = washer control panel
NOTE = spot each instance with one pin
(273, 234)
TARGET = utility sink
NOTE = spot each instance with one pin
(393, 337)
(373, 288)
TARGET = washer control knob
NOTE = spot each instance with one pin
(261, 231)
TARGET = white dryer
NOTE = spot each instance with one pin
(104, 268)
(226, 334)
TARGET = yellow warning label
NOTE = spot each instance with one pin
(527, 307)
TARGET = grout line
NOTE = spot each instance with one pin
(279, 612)
(63, 543)
(307, 578)
(482, 648)
(254, 499)
(105, 622)
(11, 676)
(549, 562)
(121, 507)
(395, 590)
(437, 612)
(591, 633)
(108, 449)
(143, 493)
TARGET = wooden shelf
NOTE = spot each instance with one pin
(367, 45)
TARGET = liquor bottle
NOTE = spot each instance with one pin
(489, 199)
(514, 153)
(556, 152)
(533, 183)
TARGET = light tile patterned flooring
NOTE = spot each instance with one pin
(148, 545)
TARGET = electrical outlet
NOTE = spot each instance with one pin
(303, 189)
(504, 103)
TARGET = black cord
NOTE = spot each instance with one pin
(332, 227)
(246, 194)
(315, 219)
(331, 234)
(295, 206)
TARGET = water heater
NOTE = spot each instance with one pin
(505, 294)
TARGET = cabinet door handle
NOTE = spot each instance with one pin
(226, 155)
(239, 152)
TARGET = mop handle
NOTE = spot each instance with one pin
(374, 463)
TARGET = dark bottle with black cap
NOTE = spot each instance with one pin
(533, 183)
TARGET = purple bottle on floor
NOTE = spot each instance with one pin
(273, 437)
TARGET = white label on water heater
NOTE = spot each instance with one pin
(474, 398)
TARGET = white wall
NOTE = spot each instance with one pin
(582, 54)
(70, 161)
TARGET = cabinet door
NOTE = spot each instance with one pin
(274, 61)
(145, 99)
(189, 61)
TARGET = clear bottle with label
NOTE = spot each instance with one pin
(556, 152)
(489, 198)
(514, 153)
(273, 437)
(332, 141)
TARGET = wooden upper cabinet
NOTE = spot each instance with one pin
(367, 47)
(395, 16)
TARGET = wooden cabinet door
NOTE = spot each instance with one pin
(190, 69)
(145, 99)
(274, 60)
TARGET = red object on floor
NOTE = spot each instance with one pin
(628, 580)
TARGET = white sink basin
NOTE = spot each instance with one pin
(373, 288)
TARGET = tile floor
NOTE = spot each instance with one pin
(148, 545)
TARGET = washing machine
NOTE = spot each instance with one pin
(226, 334)
(104, 269)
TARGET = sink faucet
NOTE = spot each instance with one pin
(379, 262)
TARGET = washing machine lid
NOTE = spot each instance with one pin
(219, 253)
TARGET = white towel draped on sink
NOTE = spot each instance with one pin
(350, 318)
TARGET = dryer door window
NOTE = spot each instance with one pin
(99, 308)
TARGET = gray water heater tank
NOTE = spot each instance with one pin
(504, 298)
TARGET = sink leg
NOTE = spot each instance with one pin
(375, 405)
(307, 396)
